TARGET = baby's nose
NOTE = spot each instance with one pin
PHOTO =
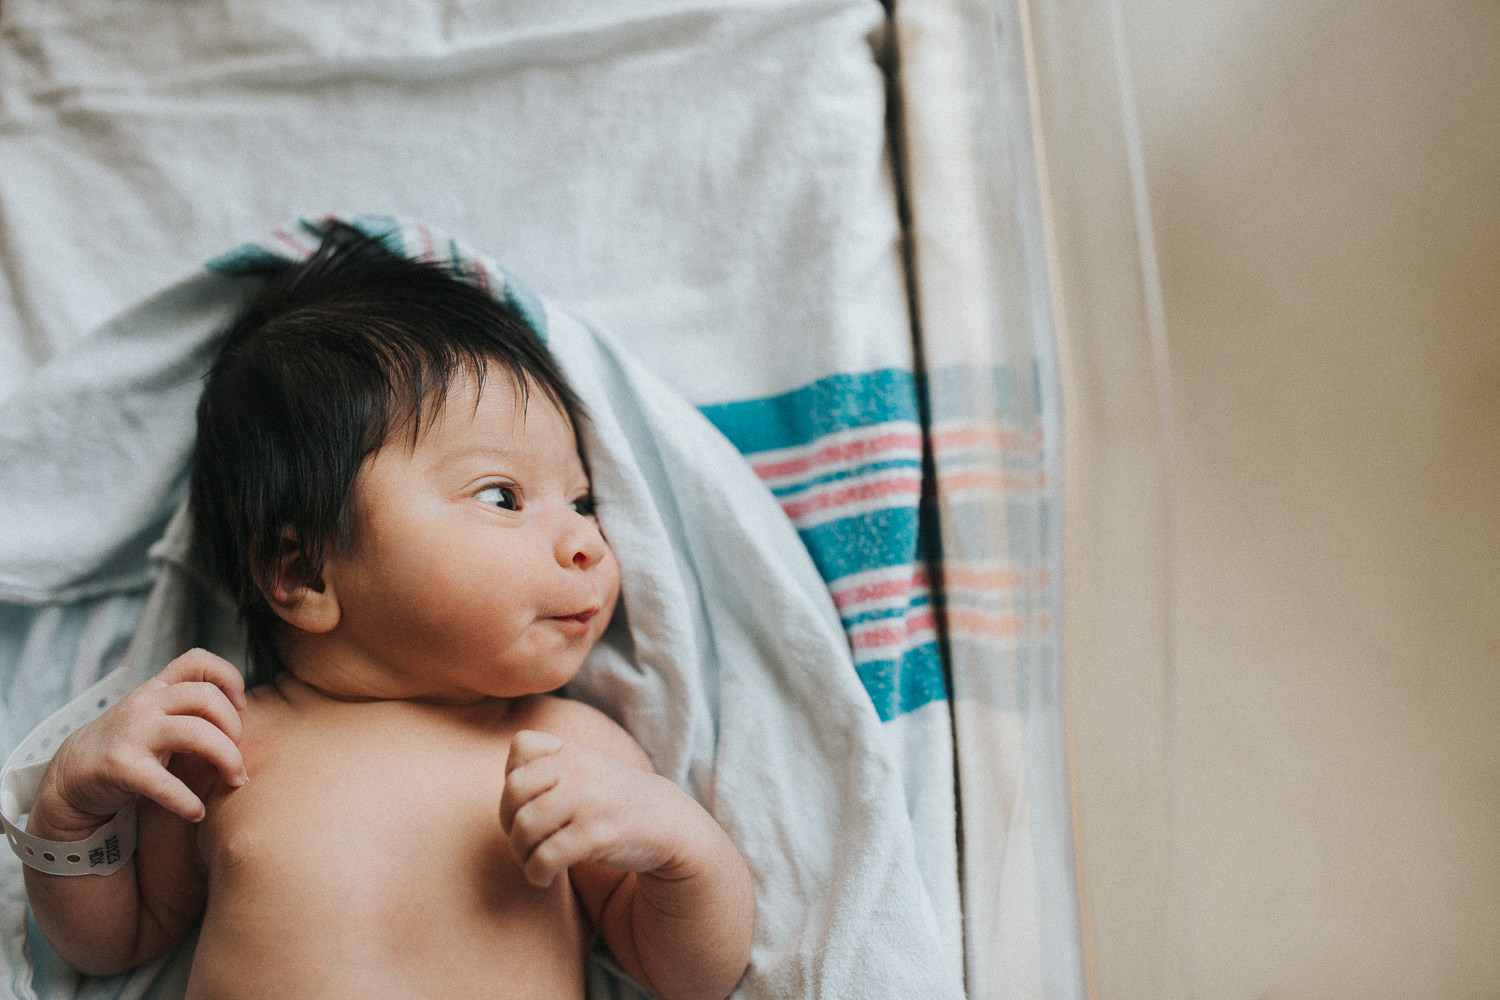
(581, 544)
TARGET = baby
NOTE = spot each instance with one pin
(388, 478)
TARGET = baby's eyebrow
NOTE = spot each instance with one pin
(480, 450)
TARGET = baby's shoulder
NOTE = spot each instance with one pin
(574, 720)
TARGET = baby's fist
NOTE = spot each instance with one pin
(566, 803)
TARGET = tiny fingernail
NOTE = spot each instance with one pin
(544, 739)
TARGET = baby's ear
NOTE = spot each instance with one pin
(299, 594)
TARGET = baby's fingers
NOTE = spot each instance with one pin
(539, 836)
(529, 745)
(563, 849)
(140, 768)
(194, 735)
(151, 780)
(199, 665)
(552, 835)
(146, 773)
(523, 784)
(207, 701)
(533, 768)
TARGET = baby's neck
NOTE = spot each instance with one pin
(294, 688)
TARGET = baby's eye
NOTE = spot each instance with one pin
(504, 497)
(585, 505)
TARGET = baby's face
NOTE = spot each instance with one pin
(478, 568)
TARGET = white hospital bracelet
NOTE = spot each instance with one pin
(105, 850)
(101, 853)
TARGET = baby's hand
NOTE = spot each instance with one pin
(683, 925)
(191, 707)
(566, 803)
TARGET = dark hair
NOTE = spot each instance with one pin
(331, 359)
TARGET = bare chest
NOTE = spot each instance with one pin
(372, 852)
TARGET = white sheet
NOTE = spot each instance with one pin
(707, 178)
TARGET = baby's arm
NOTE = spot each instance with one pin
(104, 924)
(661, 880)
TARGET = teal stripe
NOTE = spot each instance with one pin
(905, 685)
(828, 406)
(920, 600)
(877, 540)
(872, 469)
(383, 227)
(249, 259)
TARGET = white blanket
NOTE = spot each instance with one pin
(734, 672)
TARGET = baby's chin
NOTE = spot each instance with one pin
(558, 672)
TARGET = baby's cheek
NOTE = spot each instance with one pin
(611, 588)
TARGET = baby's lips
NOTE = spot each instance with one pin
(583, 617)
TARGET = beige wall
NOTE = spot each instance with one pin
(1325, 182)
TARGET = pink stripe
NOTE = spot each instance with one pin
(882, 590)
(894, 634)
(908, 486)
(833, 454)
(983, 480)
(285, 237)
(971, 436)
(426, 237)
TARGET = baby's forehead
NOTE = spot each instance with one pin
(421, 403)
(495, 382)
(523, 393)
(513, 405)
